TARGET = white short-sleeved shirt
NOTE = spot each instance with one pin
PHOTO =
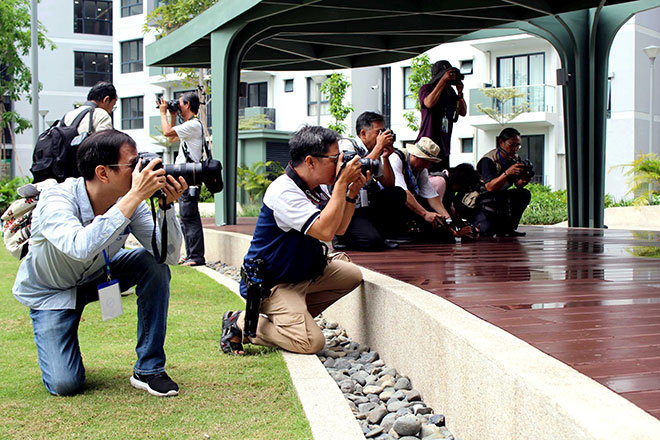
(191, 133)
(421, 179)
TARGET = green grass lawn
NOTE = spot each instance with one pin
(221, 396)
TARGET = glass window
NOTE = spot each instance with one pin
(466, 145)
(408, 99)
(91, 67)
(92, 17)
(527, 74)
(257, 95)
(312, 103)
(131, 7)
(466, 67)
(132, 113)
(288, 85)
(131, 56)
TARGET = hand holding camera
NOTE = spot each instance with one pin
(453, 77)
(385, 142)
(172, 105)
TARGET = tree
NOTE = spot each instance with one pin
(335, 89)
(503, 95)
(420, 74)
(644, 179)
(256, 178)
(15, 76)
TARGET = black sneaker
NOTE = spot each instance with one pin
(158, 384)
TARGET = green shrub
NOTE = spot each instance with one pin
(256, 178)
(547, 207)
(8, 189)
(205, 196)
(250, 210)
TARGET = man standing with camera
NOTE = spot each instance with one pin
(499, 209)
(190, 135)
(441, 106)
(379, 202)
(298, 277)
(76, 256)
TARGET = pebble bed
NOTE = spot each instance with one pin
(384, 402)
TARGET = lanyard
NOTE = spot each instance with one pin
(107, 265)
(316, 196)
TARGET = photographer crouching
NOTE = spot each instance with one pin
(287, 268)
(500, 208)
(191, 137)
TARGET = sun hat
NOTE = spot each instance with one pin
(438, 69)
(425, 148)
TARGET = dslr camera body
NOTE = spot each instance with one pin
(528, 168)
(208, 172)
(172, 105)
(366, 164)
(459, 76)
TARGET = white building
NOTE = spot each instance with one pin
(523, 61)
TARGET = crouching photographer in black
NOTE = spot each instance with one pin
(287, 266)
(505, 175)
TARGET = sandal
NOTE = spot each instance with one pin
(230, 331)
(191, 263)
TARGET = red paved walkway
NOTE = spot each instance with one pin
(579, 295)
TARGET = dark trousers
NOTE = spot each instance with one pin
(370, 224)
(191, 225)
(499, 212)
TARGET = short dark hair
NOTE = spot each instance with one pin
(101, 90)
(506, 134)
(192, 99)
(101, 148)
(463, 175)
(366, 120)
(310, 140)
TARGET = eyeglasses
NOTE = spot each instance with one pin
(131, 164)
(334, 157)
(516, 146)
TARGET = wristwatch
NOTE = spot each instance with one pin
(351, 200)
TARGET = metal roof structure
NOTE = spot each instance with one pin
(337, 34)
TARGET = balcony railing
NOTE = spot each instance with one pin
(541, 98)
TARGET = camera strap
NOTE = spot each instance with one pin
(317, 196)
(160, 258)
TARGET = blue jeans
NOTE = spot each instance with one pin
(56, 331)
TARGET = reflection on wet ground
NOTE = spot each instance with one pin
(590, 298)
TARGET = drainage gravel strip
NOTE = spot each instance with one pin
(384, 402)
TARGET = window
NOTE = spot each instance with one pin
(257, 95)
(92, 17)
(466, 67)
(131, 7)
(312, 103)
(467, 145)
(408, 99)
(91, 67)
(131, 56)
(288, 85)
(527, 74)
(132, 113)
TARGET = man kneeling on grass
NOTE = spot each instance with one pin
(296, 216)
(79, 228)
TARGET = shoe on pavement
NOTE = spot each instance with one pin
(158, 384)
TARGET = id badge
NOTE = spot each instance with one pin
(364, 198)
(110, 300)
(445, 124)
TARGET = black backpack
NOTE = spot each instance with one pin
(54, 155)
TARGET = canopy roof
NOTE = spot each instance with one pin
(337, 34)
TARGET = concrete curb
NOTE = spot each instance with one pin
(327, 411)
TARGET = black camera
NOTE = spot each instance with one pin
(391, 132)
(459, 76)
(459, 223)
(528, 168)
(172, 105)
(208, 172)
(373, 165)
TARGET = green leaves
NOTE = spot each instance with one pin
(644, 179)
(420, 74)
(335, 89)
(503, 95)
(172, 15)
(256, 178)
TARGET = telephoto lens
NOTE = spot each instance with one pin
(208, 172)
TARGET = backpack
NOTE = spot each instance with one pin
(17, 219)
(54, 155)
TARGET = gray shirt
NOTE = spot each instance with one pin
(67, 243)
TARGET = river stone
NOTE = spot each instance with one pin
(331, 325)
(399, 395)
(374, 432)
(388, 421)
(413, 396)
(342, 364)
(373, 389)
(358, 389)
(407, 425)
(368, 358)
(347, 386)
(403, 411)
(423, 410)
(373, 398)
(397, 405)
(366, 407)
(403, 384)
(360, 399)
(360, 377)
(376, 415)
(390, 371)
(437, 419)
(446, 433)
(378, 363)
(329, 363)
(428, 430)
(385, 378)
(386, 394)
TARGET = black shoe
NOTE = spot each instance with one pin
(389, 244)
(158, 384)
(511, 234)
(339, 244)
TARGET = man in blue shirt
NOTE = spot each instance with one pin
(296, 217)
(78, 230)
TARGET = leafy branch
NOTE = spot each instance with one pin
(420, 74)
(335, 89)
(503, 95)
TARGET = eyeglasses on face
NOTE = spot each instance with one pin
(334, 157)
(131, 164)
(516, 146)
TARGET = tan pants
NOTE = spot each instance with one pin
(291, 308)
